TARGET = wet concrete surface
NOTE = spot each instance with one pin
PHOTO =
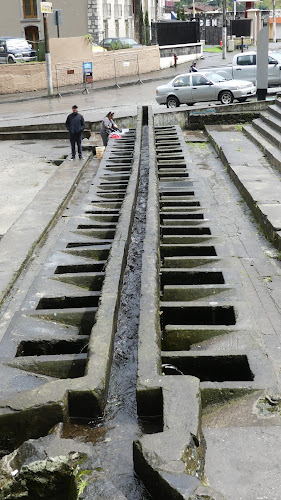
(99, 101)
(114, 435)
(25, 167)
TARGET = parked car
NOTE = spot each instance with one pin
(14, 50)
(203, 86)
(97, 48)
(244, 67)
(119, 43)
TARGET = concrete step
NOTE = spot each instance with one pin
(37, 134)
(257, 181)
(267, 131)
(40, 126)
(275, 110)
(271, 151)
(272, 121)
(278, 103)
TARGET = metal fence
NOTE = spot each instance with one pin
(71, 76)
(126, 65)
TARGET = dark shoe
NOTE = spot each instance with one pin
(71, 159)
(81, 158)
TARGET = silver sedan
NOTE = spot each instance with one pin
(203, 86)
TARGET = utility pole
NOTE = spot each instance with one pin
(274, 21)
(224, 29)
(47, 52)
(57, 23)
(193, 9)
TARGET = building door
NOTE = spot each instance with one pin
(32, 35)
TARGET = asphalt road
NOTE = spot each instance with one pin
(123, 101)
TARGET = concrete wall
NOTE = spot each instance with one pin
(74, 19)
(10, 19)
(69, 53)
(126, 62)
(70, 49)
(22, 77)
(185, 53)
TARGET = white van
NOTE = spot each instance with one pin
(14, 50)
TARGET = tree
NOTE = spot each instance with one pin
(141, 28)
(147, 29)
(183, 18)
(178, 13)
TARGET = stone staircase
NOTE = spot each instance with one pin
(252, 156)
(265, 131)
(39, 131)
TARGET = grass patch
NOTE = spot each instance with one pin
(212, 49)
(199, 145)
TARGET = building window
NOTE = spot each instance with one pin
(117, 10)
(106, 10)
(29, 8)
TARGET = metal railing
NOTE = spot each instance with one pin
(127, 61)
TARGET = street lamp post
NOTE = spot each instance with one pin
(47, 54)
(274, 22)
(224, 29)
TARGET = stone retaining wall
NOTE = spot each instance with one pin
(67, 52)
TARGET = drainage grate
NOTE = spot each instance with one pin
(209, 368)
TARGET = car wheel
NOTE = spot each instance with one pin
(242, 99)
(173, 102)
(10, 60)
(226, 97)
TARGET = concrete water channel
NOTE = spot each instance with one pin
(141, 354)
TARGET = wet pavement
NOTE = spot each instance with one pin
(32, 108)
(121, 412)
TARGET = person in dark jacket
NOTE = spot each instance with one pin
(193, 68)
(75, 125)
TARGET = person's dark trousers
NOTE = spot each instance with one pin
(76, 139)
(104, 136)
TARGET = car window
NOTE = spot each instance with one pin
(3, 44)
(247, 60)
(215, 77)
(129, 41)
(199, 80)
(182, 81)
(271, 60)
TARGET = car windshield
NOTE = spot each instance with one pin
(276, 54)
(17, 43)
(215, 77)
(129, 41)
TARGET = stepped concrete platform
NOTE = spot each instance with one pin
(258, 182)
(32, 225)
(265, 131)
